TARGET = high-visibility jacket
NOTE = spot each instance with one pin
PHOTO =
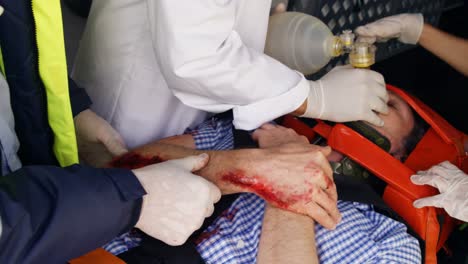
(50, 214)
(32, 45)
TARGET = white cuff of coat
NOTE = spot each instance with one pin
(252, 116)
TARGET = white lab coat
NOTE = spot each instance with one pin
(153, 67)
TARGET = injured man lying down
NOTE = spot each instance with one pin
(249, 230)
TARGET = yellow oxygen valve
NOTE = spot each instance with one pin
(347, 38)
(362, 55)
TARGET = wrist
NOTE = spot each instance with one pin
(233, 173)
(414, 26)
(314, 104)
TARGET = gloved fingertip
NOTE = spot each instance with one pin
(418, 204)
(416, 179)
(204, 158)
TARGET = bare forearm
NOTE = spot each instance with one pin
(221, 162)
(286, 238)
(291, 176)
(450, 49)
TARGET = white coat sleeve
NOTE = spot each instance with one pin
(208, 67)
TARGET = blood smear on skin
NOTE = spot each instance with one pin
(256, 185)
(134, 160)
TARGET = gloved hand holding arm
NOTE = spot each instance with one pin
(411, 29)
(61, 213)
(97, 140)
(453, 186)
(177, 201)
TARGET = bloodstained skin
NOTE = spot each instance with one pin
(313, 168)
(257, 185)
(134, 160)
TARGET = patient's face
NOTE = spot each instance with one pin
(398, 123)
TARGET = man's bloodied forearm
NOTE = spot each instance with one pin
(295, 177)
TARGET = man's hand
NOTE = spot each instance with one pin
(295, 177)
(348, 94)
(316, 176)
(406, 27)
(98, 142)
(177, 201)
(270, 135)
(453, 186)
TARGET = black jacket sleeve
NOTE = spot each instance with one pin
(51, 214)
(79, 99)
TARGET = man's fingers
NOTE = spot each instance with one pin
(320, 165)
(321, 216)
(328, 204)
(268, 126)
(326, 150)
(331, 191)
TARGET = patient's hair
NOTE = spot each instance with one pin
(409, 142)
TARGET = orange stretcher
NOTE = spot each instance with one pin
(441, 142)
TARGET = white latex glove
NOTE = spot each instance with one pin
(97, 140)
(406, 27)
(177, 201)
(453, 186)
(348, 94)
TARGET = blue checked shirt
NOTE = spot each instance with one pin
(363, 235)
